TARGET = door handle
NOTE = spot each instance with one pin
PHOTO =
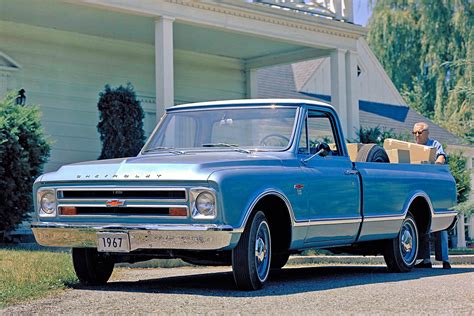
(349, 172)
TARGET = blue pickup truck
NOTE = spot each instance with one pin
(243, 183)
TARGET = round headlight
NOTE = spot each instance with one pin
(205, 203)
(48, 203)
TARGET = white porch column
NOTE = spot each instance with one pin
(251, 78)
(164, 79)
(460, 226)
(352, 95)
(338, 86)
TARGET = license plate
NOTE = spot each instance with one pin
(113, 242)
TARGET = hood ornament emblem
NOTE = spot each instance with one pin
(115, 203)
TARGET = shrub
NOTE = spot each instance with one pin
(457, 165)
(23, 152)
(377, 135)
(121, 122)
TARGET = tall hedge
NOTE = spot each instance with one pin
(462, 175)
(23, 151)
(121, 122)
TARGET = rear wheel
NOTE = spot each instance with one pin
(251, 259)
(90, 267)
(401, 252)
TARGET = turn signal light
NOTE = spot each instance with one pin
(178, 211)
(68, 210)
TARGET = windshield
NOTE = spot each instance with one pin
(258, 128)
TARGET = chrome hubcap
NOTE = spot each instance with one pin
(408, 242)
(262, 251)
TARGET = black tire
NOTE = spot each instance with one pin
(90, 268)
(401, 252)
(279, 260)
(372, 153)
(251, 270)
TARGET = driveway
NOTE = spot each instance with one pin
(295, 290)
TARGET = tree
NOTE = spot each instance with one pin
(23, 152)
(426, 47)
(121, 122)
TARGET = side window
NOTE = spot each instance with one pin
(320, 130)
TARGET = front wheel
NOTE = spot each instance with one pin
(401, 252)
(90, 267)
(251, 259)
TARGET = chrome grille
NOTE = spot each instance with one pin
(138, 194)
(121, 201)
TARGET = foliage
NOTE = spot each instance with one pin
(466, 207)
(377, 135)
(121, 122)
(23, 152)
(426, 47)
(457, 165)
(31, 274)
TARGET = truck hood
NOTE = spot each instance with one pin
(189, 166)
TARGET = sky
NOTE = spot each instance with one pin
(361, 11)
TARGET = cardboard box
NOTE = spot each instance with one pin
(418, 153)
(398, 155)
(353, 149)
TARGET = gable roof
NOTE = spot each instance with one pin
(280, 82)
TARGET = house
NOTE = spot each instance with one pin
(62, 53)
(172, 51)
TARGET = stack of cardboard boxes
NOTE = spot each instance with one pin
(404, 152)
(400, 152)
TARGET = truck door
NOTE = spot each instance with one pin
(331, 184)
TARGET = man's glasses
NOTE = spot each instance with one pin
(418, 133)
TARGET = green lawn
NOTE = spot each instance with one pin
(28, 274)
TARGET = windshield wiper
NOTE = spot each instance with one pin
(167, 149)
(233, 146)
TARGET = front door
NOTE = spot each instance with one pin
(333, 188)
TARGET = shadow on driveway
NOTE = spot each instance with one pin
(283, 282)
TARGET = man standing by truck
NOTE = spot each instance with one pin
(421, 133)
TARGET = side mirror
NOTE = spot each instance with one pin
(323, 149)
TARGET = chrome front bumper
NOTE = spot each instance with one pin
(190, 237)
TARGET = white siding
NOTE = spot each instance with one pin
(63, 72)
(202, 77)
(373, 83)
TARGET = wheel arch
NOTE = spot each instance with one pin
(279, 213)
(419, 205)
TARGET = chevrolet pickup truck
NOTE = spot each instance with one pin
(243, 183)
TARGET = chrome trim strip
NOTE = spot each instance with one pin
(445, 214)
(192, 237)
(329, 221)
(383, 218)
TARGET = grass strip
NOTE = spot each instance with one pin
(27, 274)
